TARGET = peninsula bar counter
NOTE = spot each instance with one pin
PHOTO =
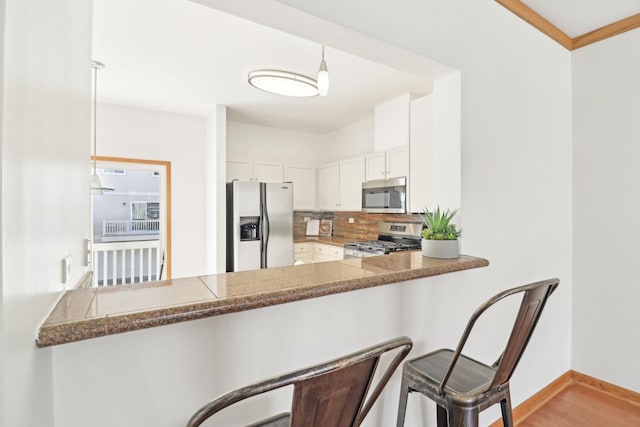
(95, 312)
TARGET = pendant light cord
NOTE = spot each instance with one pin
(95, 110)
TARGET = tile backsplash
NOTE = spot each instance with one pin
(364, 226)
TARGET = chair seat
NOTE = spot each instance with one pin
(468, 380)
(280, 420)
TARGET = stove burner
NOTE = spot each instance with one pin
(382, 245)
(393, 237)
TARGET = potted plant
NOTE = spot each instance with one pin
(440, 238)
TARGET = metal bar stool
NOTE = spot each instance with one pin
(463, 387)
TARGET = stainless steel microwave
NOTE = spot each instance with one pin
(385, 195)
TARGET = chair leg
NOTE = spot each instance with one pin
(505, 406)
(442, 417)
(402, 405)
(459, 417)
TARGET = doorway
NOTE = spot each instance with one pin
(131, 225)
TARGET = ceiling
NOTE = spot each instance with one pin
(577, 17)
(183, 57)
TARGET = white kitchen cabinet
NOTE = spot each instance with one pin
(392, 163)
(240, 170)
(304, 186)
(351, 178)
(303, 252)
(249, 170)
(398, 162)
(376, 165)
(323, 252)
(268, 172)
(328, 187)
(340, 185)
(337, 253)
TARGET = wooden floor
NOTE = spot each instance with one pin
(579, 405)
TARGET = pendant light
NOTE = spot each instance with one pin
(323, 77)
(96, 185)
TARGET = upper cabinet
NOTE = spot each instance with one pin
(351, 178)
(304, 186)
(328, 187)
(247, 170)
(393, 163)
(340, 185)
(240, 170)
(391, 140)
(268, 172)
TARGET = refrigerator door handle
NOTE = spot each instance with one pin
(264, 220)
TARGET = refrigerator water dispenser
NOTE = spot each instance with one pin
(249, 228)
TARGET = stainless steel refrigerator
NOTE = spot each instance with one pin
(259, 225)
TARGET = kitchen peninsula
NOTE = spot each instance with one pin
(95, 312)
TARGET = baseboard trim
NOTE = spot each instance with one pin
(618, 392)
(535, 402)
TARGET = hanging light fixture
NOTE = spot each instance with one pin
(323, 77)
(96, 185)
(286, 83)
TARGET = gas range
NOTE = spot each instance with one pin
(392, 237)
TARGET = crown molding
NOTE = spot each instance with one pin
(607, 31)
(538, 21)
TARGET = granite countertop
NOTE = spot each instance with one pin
(333, 240)
(94, 312)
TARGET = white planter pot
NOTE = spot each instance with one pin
(441, 248)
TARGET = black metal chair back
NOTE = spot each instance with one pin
(337, 393)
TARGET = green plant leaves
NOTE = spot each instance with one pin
(439, 226)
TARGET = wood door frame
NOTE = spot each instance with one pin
(167, 167)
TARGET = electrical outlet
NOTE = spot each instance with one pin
(66, 269)
(351, 220)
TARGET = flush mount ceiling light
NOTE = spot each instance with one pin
(284, 83)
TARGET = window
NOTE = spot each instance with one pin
(141, 211)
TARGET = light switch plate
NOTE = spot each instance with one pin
(66, 269)
(351, 221)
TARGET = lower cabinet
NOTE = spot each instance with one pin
(303, 252)
(317, 252)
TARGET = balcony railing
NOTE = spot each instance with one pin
(129, 227)
(119, 263)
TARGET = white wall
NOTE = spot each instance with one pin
(354, 140)
(606, 233)
(46, 80)
(145, 134)
(253, 142)
(391, 127)
(516, 197)
(215, 190)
